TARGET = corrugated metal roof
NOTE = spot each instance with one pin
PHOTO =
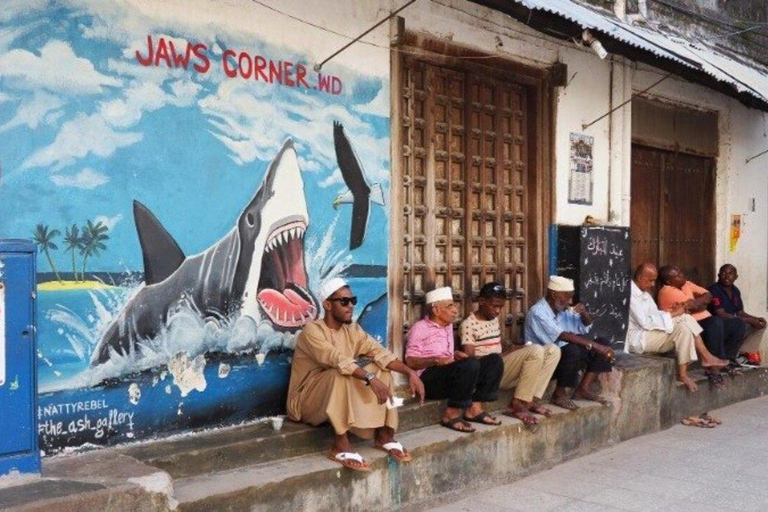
(694, 55)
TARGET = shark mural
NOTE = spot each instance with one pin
(237, 180)
(258, 267)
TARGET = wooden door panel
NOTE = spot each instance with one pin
(465, 166)
(672, 213)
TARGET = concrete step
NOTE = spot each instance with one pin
(443, 461)
(255, 443)
(101, 480)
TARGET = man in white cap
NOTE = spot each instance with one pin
(449, 373)
(550, 321)
(327, 384)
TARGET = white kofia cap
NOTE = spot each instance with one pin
(439, 294)
(329, 287)
(560, 284)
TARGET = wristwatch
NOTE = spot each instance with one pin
(368, 378)
(589, 347)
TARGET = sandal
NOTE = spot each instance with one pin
(711, 419)
(345, 459)
(396, 451)
(537, 408)
(716, 380)
(529, 421)
(452, 424)
(565, 403)
(484, 419)
(592, 397)
(693, 421)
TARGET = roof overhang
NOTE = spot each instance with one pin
(566, 19)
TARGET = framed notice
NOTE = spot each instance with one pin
(580, 180)
(2, 334)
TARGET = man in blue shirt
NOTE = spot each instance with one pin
(727, 304)
(551, 320)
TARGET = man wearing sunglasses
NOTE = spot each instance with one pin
(449, 373)
(327, 384)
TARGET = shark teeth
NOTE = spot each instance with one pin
(283, 235)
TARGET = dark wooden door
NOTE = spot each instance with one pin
(465, 147)
(673, 211)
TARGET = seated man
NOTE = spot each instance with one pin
(549, 322)
(327, 384)
(449, 373)
(652, 331)
(527, 368)
(723, 337)
(726, 303)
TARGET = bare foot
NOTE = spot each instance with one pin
(688, 383)
(714, 364)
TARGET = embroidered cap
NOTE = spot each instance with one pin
(560, 284)
(439, 294)
(329, 287)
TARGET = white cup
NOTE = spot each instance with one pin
(394, 402)
(277, 422)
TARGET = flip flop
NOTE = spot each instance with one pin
(344, 458)
(565, 403)
(540, 409)
(711, 419)
(693, 421)
(396, 451)
(451, 424)
(716, 380)
(484, 419)
(593, 398)
(529, 421)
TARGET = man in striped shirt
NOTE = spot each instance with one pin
(527, 368)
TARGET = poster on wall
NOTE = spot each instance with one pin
(580, 177)
(191, 182)
(735, 232)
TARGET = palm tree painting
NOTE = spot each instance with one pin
(92, 241)
(44, 236)
(73, 241)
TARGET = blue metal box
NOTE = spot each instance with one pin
(18, 376)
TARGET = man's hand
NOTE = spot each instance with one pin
(417, 387)
(579, 309)
(459, 355)
(763, 323)
(604, 352)
(756, 323)
(381, 390)
(678, 310)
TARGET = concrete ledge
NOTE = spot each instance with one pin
(99, 480)
(443, 461)
(252, 467)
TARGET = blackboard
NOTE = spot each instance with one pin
(597, 258)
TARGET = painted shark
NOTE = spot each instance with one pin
(258, 267)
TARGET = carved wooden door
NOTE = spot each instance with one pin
(463, 187)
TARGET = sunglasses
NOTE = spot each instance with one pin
(345, 301)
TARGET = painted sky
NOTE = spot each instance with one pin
(85, 129)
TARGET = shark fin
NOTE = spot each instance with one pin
(377, 194)
(162, 255)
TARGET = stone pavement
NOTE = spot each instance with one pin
(680, 469)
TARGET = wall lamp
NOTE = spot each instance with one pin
(593, 43)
